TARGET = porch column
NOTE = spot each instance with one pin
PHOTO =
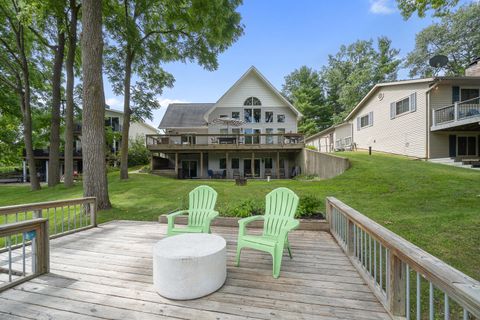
(227, 166)
(176, 164)
(201, 164)
(24, 171)
(277, 171)
(252, 165)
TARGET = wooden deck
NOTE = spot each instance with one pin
(105, 273)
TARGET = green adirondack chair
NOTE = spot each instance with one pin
(281, 205)
(200, 212)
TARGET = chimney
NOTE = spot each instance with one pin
(473, 69)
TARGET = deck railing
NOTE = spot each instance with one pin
(28, 260)
(457, 111)
(64, 216)
(213, 139)
(409, 282)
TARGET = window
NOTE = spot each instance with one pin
(257, 115)
(223, 163)
(469, 93)
(405, 105)
(268, 116)
(247, 114)
(236, 115)
(252, 139)
(280, 118)
(268, 163)
(280, 138)
(252, 101)
(224, 131)
(402, 106)
(365, 121)
(236, 130)
(223, 116)
(269, 139)
(235, 163)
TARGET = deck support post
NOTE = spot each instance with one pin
(397, 285)
(24, 171)
(227, 166)
(176, 164)
(278, 165)
(201, 164)
(252, 165)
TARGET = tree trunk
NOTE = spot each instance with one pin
(93, 125)
(54, 152)
(126, 115)
(69, 66)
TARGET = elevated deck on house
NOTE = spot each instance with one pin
(106, 273)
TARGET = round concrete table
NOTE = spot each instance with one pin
(189, 266)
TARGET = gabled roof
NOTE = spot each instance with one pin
(185, 115)
(325, 131)
(255, 71)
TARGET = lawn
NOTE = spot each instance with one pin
(434, 206)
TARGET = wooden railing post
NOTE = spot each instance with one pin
(455, 114)
(93, 213)
(397, 285)
(328, 214)
(42, 249)
(349, 240)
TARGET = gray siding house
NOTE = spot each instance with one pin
(197, 145)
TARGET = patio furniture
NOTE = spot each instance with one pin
(189, 266)
(227, 140)
(280, 208)
(200, 212)
(210, 173)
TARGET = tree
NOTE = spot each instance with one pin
(354, 70)
(18, 70)
(146, 34)
(303, 88)
(457, 36)
(49, 28)
(93, 123)
(72, 21)
(440, 7)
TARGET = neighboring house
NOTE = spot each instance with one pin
(424, 118)
(113, 120)
(335, 138)
(195, 145)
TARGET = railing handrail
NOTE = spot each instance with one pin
(464, 289)
(225, 134)
(458, 102)
(44, 205)
(18, 227)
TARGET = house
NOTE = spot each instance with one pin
(424, 118)
(334, 138)
(251, 131)
(113, 120)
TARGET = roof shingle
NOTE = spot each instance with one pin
(185, 115)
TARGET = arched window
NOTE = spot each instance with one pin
(252, 101)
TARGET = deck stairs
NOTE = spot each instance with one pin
(458, 162)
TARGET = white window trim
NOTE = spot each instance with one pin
(370, 123)
(405, 112)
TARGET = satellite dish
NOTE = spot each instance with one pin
(438, 61)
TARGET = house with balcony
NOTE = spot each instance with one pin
(427, 118)
(257, 139)
(113, 123)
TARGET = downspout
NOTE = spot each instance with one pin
(427, 150)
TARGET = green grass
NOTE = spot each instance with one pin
(434, 206)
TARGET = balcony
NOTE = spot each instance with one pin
(205, 142)
(462, 115)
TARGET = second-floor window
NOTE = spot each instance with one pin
(252, 115)
(252, 101)
(268, 116)
(236, 115)
(402, 106)
(365, 121)
(280, 118)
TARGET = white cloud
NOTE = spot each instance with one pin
(164, 102)
(381, 7)
(114, 102)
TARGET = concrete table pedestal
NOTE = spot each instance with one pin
(189, 266)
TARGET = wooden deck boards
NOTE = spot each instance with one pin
(106, 273)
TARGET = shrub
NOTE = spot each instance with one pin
(311, 147)
(244, 209)
(309, 206)
(138, 153)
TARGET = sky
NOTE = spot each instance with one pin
(283, 35)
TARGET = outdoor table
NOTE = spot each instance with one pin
(189, 266)
(227, 140)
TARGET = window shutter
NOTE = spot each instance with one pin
(392, 110)
(455, 94)
(413, 102)
(358, 123)
(370, 118)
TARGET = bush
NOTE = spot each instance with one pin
(311, 147)
(244, 209)
(309, 206)
(138, 153)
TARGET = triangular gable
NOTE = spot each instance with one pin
(253, 70)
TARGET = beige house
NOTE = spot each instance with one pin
(424, 118)
(197, 144)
